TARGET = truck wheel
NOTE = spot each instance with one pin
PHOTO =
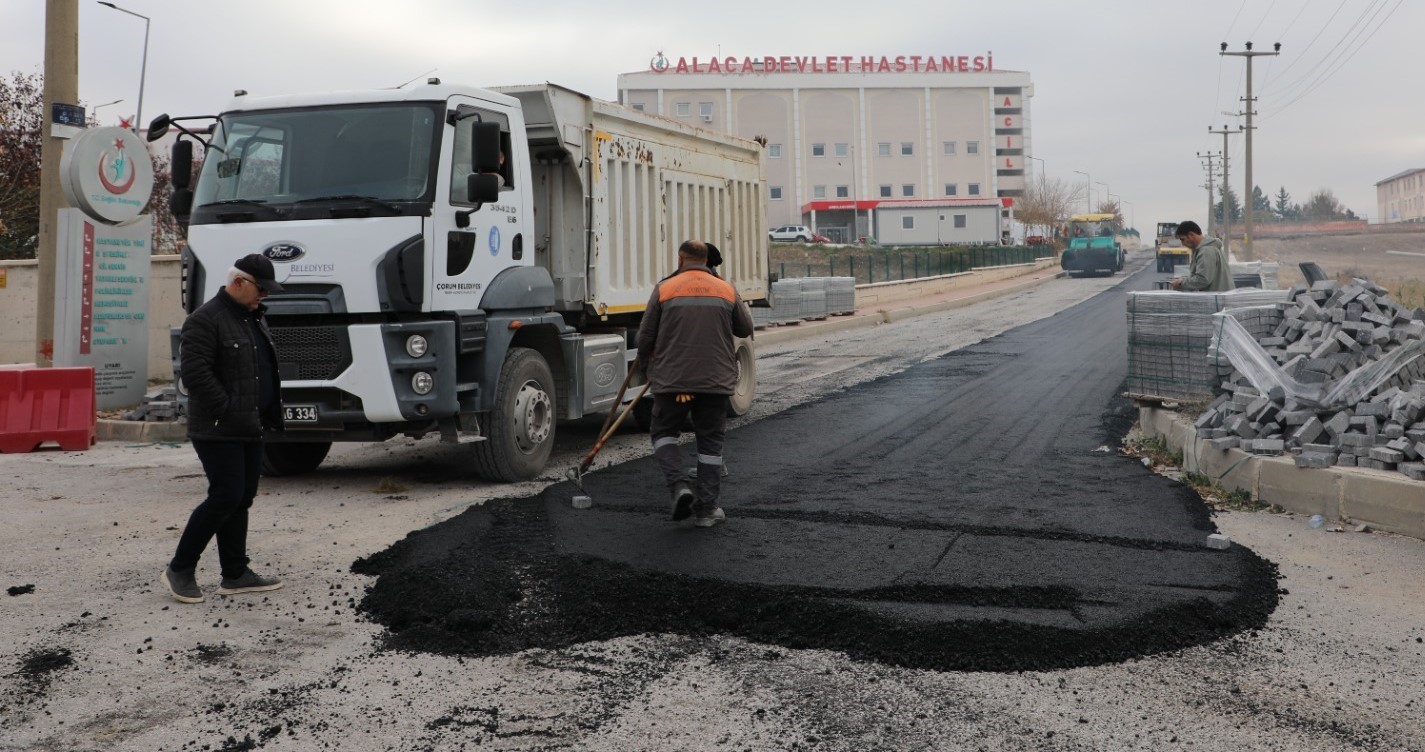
(741, 401)
(520, 433)
(283, 458)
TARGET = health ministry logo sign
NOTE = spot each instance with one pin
(107, 174)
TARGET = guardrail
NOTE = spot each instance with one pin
(886, 266)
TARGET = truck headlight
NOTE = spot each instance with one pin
(422, 382)
(416, 346)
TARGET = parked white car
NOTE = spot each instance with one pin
(790, 233)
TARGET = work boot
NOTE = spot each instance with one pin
(182, 585)
(682, 501)
(708, 519)
(248, 582)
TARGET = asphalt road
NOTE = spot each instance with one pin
(962, 514)
(97, 657)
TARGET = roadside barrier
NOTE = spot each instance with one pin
(39, 405)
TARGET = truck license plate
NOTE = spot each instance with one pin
(299, 413)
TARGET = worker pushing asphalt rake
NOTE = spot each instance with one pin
(611, 424)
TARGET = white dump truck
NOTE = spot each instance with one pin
(466, 262)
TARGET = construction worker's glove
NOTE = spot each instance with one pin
(683, 399)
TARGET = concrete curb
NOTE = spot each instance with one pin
(138, 431)
(1383, 500)
(832, 324)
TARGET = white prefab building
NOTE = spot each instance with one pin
(931, 222)
(906, 149)
(1401, 197)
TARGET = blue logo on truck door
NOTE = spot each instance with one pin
(495, 241)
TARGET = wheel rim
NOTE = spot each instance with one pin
(534, 416)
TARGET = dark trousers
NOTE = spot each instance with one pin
(709, 416)
(233, 468)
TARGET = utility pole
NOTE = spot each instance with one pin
(1211, 174)
(1226, 210)
(1248, 195)
(61, 85)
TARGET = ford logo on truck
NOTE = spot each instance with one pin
(284, 252)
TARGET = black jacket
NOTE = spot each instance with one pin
(218, 364)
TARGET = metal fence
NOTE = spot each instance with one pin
(887, 266)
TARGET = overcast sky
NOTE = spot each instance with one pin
(1124, 90)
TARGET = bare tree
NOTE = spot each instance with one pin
(1047, 204)
(21, 130)
(1112, 207)
(1323, 205)
(21, 120)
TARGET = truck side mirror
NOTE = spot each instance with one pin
(158, 127)
(485, 146)
(181, 204)
(181, 168)
(482, 187)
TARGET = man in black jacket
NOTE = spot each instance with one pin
(229, 366)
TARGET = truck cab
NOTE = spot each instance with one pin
(427, 291)
(1169, 250)
(1092, 245)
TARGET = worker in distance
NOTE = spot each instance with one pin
(1209, 271)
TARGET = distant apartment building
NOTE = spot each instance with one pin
(1401, 197)
(910, 150)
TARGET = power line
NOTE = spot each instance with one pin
(1268, 12)
(1378, 5)
(1307, 48)
(1324, 78)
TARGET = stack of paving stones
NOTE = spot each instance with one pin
(1323, 336)
(786, 296)
(813, 298)
(840, 296)
(761, 317)
(164, 405)
(1170, 333)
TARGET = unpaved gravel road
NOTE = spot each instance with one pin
(97, 657)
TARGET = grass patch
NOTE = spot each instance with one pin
(389, 485)
(1156, 450)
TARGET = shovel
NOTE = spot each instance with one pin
(611, 424)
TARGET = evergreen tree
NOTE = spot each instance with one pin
(1261, 206)
(1285, 209)
(1234, 206)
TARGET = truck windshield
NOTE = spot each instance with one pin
(304, 163)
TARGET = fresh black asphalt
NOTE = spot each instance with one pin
(961, 515)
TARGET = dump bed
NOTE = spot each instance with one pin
(616, 190)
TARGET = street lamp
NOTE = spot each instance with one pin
(1088, 191)
(1105, 189)
(1041, 165)
(143, 71)
(106, 104)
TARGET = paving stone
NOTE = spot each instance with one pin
(1315, 459)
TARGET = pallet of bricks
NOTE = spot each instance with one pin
(1169, 335)
(1339, 380)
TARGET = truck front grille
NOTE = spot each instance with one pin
(318, 353)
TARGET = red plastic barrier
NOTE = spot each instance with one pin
(47, 404)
